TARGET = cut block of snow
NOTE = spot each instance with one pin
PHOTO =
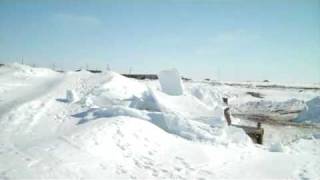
(71, 96)
(170, 82)
(311, 112)
(276, 147)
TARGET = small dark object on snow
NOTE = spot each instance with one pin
(255, 94)
(225, 100)
(186, 79)
(94, 71)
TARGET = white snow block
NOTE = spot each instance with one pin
(71, 96)
(276, 147)
(170, 82)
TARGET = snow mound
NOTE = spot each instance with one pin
(170, 82)
(117, 148)
(185, 116)
(311, 112)
(116, 90)
(207, 94)
(186, 105)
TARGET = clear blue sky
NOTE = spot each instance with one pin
(227, 39)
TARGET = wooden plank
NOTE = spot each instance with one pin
(255, 133)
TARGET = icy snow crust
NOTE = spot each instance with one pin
(311, 112)
(122, 128)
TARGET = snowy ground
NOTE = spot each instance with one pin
(123, 128)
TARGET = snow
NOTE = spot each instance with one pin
(71, 96)
(276, 147)
(311, 112)
(265, 106)
(120, 128)
(170, 81)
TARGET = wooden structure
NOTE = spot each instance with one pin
(255, 133)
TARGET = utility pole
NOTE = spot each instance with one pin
(130, 70)
(22, 60)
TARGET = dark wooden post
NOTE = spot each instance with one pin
(225, 100)
(259, 125)
(227, 111)
(260, 136)
(227, 115)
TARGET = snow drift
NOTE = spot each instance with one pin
(183, 115)
(127, 129)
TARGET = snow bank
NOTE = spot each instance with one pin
(170, 82)
(185, 115)
(311, 112)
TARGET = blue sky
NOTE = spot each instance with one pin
(224, 39)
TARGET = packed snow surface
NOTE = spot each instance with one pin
(120, 128)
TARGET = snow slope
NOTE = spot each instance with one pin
(123, 128)
(21, 83)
